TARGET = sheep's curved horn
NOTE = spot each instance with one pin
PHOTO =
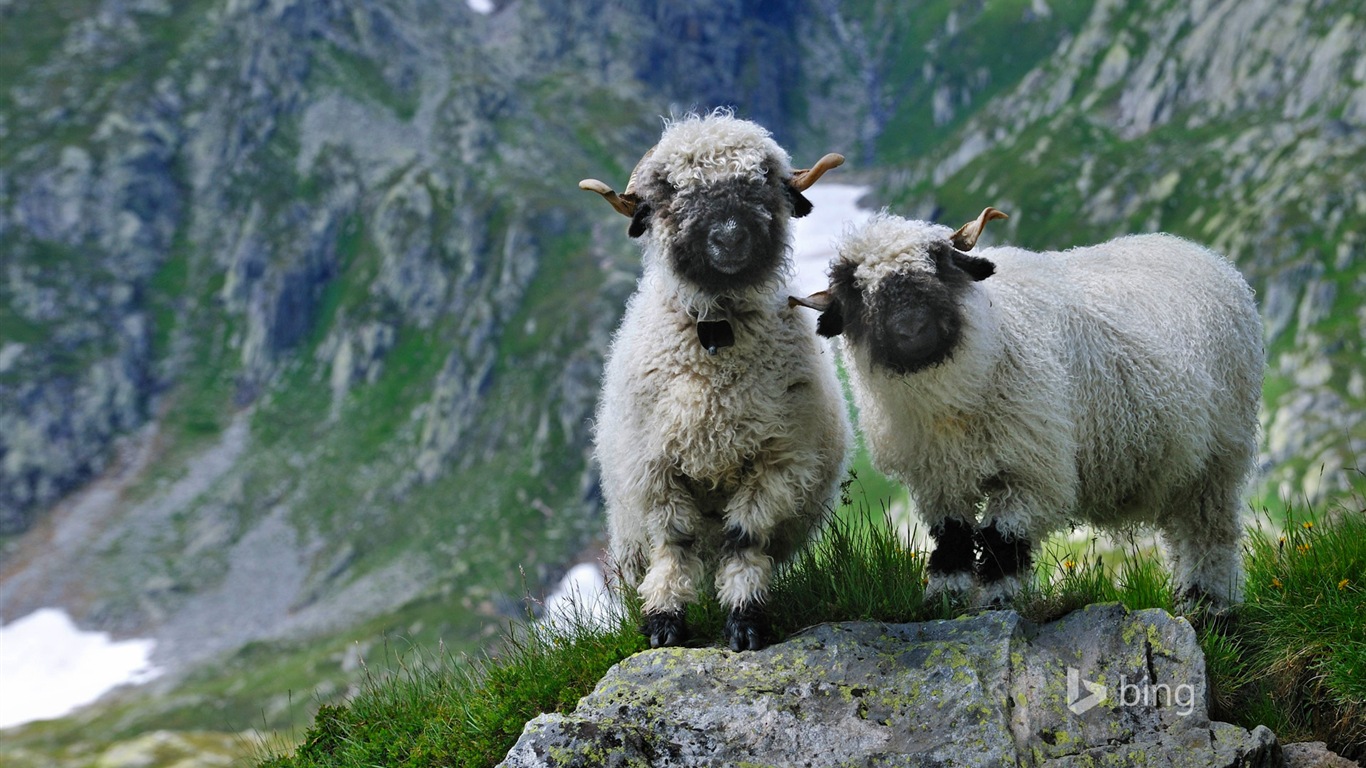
(625, 205)
(819, 301)
(803, 179)
(627, 201)
(966, 236)
(635, 172)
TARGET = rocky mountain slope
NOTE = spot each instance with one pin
(308, 287)
(1239, 125)
(310, 290)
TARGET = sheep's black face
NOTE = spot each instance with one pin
(909, 320)
(918, 323)
(725, 235)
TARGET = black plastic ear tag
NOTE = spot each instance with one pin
(715, 334)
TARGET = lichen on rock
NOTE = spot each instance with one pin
(1102, 685)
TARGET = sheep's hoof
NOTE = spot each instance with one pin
(663, 629)
(745, 629)
(999, 594)
(1203, 610)
(953, 589)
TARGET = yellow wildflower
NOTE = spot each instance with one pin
(1070, 565)
(1303, 548)
(1275, 582)
(1343, 584)
(1308, 525)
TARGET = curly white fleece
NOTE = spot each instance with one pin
(754, 438)
(1114, 383)
(702, 150)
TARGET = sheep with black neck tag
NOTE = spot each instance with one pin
(721, 430)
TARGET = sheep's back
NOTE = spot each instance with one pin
(1162, 344)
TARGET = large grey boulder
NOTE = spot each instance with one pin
(1101, 686)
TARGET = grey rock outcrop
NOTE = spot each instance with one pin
(1315, 754)
(1101, 686)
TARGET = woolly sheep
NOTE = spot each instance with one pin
(1111, 384)
(721, 431)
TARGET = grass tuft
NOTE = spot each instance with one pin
(1296, 654)
(1292, 657)
(444, 710)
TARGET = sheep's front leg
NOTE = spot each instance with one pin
(953, 523)
(951, 563)
(767, 501)
(675, 570)
(742, 586)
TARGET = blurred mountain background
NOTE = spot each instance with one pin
(302, 314)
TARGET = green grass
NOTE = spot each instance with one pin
(1293, 657)
(447, 710)
(1296, 656)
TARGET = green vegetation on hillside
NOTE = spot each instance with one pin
(1292, 657)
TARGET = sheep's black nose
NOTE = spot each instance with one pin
(728, 247)
(910, 339)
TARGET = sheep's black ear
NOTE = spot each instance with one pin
(800, 205)
(831, 322)
(640, 221)
(977, 267)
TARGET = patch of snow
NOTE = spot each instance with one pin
(49, 667)
(834, 208)
(580, 599)
(481, 6)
